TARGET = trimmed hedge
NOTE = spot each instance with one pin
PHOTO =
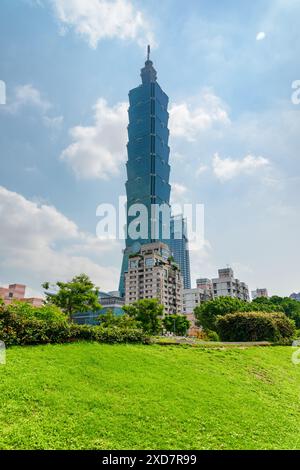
(17, 330)
(255, 326)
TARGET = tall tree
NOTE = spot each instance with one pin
(76, 296)
(290, 307)
(207, 312)
(148, 312)
(177, 324)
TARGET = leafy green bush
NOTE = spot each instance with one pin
(49, 313)
(16, 329)
(212, 336)
(255, 326)
(297, 334)
(177, 324)
(116, 334)
(207, 313)
(290, 307)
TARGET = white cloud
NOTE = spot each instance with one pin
(54, 122)
(189, 119)
(178, 194)
(28, 96)
(96, 20)
(97, 151)
(38, 243)
(227, 168)
(260, 36)
(201, 169)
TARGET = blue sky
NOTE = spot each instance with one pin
(228, 68)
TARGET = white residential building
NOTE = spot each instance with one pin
(227, 286)
(255, 294)
(152, 275)
(192, 298)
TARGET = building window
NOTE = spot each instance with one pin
(133, 264)
(149, 262)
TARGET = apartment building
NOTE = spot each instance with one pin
(206, 286)
(192, 298)
(180, 247)
(257, 293)
(226, 285)
(17, 292)
(152, 274)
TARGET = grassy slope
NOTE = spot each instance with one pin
(123, 397)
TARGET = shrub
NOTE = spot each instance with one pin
(49, 313)
(116, 334)
(16, 329)
(290, 307)
(255, 326)
(212, 336)
(208, 335)
(207, 312)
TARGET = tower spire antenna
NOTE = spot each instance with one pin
(148, 73)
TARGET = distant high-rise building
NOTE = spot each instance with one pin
(148, 151)
(179, 247)
(227, 286)
(255, 294)
(207, 286)
(295, 296)
(192, 298)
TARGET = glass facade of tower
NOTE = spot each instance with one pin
(148, 151)
(179, 247)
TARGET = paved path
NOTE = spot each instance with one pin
(194, 341)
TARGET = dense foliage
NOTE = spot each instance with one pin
(290, 307)
(177, 324)
(255, 326)
(17, 329)
(48, 312)
(111, 319)
(208, 312)
(148, 313)
(77, 295)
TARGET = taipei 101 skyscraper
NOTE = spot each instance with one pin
(148, 168)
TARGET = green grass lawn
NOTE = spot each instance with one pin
(93, 396)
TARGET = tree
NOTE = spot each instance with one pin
(207, 312)
(290, 307)
(109, 318)
(148, 312)
(76, 296)
(177, 324)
